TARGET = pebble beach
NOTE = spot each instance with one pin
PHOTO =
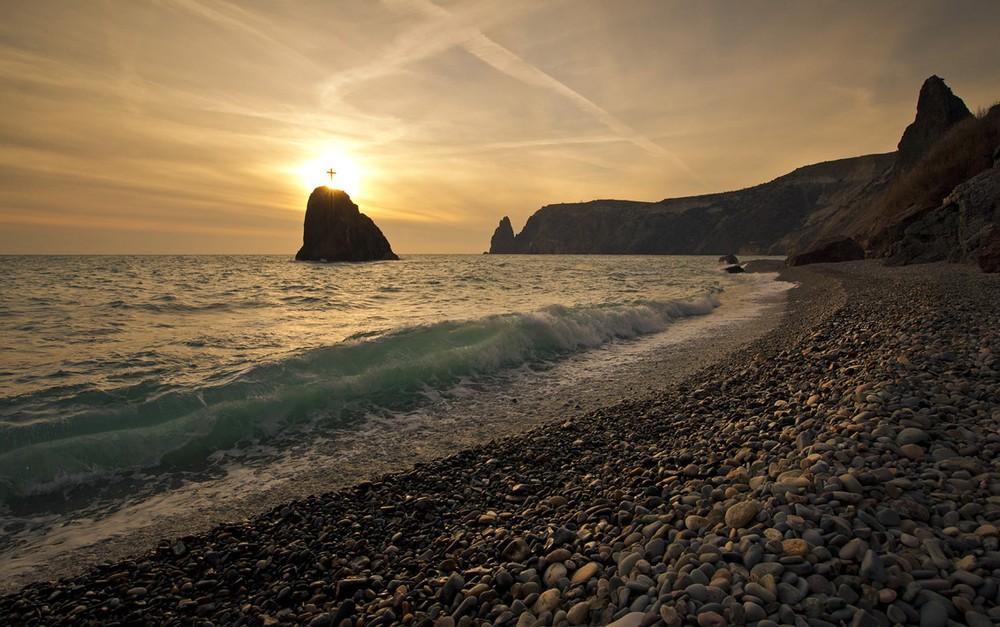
(841, 470)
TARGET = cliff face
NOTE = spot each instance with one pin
(335, 230)
(768, 218)
(891, 202)
(956, 229)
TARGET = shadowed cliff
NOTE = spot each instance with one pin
(767, 218)
(895, 203)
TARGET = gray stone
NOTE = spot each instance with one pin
(911, 435)
(934, 613)
(871, 567)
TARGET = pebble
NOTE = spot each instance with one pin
(741, 514)
(933, 614)
(585, 572)
(577, 615)
(547, 601)
(711, 619)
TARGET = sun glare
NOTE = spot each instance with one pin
(333, 170)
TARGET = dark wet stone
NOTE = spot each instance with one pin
(934, 613)
(871, 567)
(466, 608)
(347, 587)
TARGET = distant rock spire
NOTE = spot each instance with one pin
(502, 241)
(335, 230)
(938, 109)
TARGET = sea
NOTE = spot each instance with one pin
(145, 397)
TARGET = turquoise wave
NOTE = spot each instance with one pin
(143, 426)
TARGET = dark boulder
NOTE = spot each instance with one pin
(827, 250)
(989, 253)
(938, 109)
(735, 269)
(335, 230)
(502, 242)
(730, 259)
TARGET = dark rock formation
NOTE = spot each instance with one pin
(873, 199)
(730, 259)
(938, 109)
(733, 269)
(502, 242)
(335, 230)
(827, 250)
(955, 230)
(989, 253)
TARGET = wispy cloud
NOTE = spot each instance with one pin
(444, 30)
(237, 19)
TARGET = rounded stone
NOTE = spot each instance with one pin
(695, 523)
(742, 514)
(553, 573)
(912, 451)
(559, 555)
(585, 572)
(795, 546)
(711, 619)
(759, 591)
(911, 435)
(698, 592)
(577, 615)
(753, 612)
(547, 601)
(933, 613)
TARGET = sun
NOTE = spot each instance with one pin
(346, 174)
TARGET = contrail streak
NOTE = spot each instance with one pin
(435, 39)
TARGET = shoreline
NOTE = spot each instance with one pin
(685, 347)
(839, 469)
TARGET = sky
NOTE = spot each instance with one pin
(201, 126)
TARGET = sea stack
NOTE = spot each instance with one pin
(503, 238)
(335, 230)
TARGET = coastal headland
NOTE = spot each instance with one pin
(838, 471)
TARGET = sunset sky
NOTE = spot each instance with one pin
(201, 126)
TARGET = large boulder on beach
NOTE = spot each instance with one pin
(502, 242)
(335, 230)
(827, 250)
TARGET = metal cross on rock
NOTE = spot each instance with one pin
(331, 173)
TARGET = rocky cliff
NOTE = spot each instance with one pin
(956, 229)
(335, 230)
(942, 206)
(767, 218)
(874, 199)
